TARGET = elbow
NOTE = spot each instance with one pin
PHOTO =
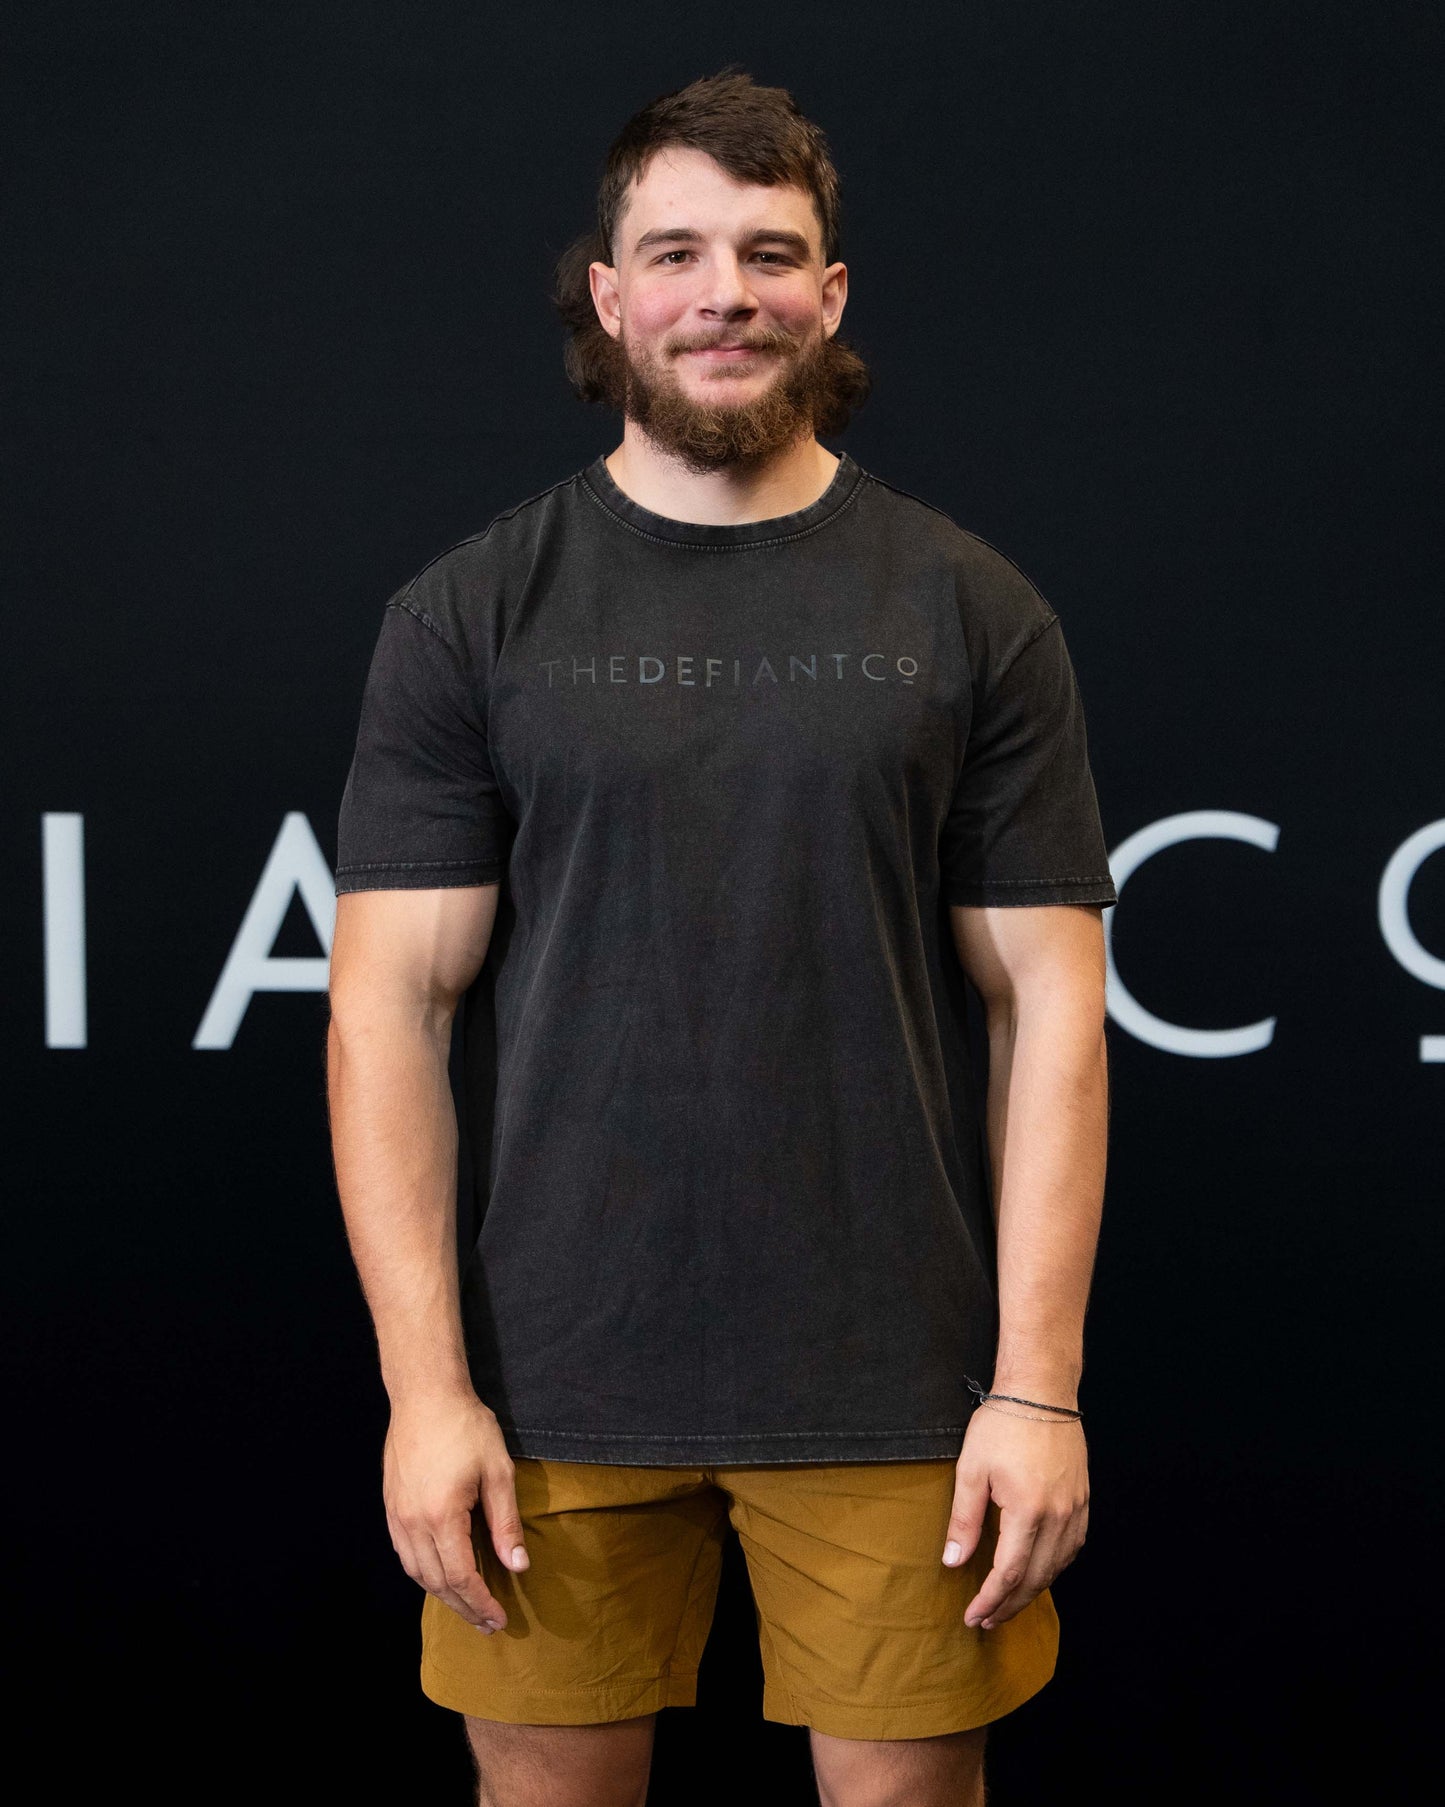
(1072, 1004)
(369, 1017)
(1000, 1012)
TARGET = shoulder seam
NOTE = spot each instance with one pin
(473, 539)
(1019, 651)
(908, 495)
(977, 538)
(400, 602)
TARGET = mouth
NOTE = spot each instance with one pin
(724, 354)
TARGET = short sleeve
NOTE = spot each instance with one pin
(1023, 826)
(422, 806)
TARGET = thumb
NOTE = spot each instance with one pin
(965, 1523)
(499, 1502)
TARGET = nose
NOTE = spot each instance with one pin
(727, 294)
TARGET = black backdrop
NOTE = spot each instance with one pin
(1144, 289)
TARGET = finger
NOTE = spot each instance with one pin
(1045, 1561)
(430, 1572)
(504, 1521)
(405, 1546)
(966, 1520)
(424, 1562)
(1057, 1543)
(1018, 1532)
(1074, 1536)
(461, 1576)
(1060, 1540)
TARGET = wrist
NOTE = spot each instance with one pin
(432, 1397)
(1046, 1385)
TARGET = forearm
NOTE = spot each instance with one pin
(1047, 1113)
(394, 1142)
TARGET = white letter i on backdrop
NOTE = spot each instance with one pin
(62, 865)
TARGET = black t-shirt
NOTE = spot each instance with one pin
(724, 1182)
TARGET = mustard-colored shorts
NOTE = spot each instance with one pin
(860, 1623)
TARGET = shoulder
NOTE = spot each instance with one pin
(1000, 607)
(460, 592)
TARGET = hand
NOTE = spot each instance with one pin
(441, 1460)
(1039, 1475)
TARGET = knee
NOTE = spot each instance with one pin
(900, 1772)
(561, 1765)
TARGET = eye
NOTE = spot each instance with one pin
(668, 255)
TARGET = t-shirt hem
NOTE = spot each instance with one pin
(1033, 891)
(756, 1448)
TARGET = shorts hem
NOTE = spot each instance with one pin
(909, 1719)
(585, 1705)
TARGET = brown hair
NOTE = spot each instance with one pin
(757, 135)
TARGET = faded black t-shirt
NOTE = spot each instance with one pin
(723, 1176)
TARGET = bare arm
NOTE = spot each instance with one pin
(1040, 974)
(400, 962)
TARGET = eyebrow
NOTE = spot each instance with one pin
(686, 235)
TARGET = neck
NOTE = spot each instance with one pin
(784, 483)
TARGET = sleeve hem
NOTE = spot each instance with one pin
(418, 876)
(1004, 891)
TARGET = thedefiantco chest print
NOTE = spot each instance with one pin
(742, 671)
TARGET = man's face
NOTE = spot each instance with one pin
(720, 303)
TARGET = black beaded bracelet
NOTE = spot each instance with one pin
(1064, 1411)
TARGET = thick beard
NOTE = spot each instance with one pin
(713, 436)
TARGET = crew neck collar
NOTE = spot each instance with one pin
(842, 488)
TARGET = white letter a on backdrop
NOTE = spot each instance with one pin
(296, 864)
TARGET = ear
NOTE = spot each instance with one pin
(835, 297)
(602, 280)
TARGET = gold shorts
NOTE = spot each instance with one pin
(860, 1623)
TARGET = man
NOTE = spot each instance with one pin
(696, 785)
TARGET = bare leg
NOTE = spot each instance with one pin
(946, 1771)
(562, 1765)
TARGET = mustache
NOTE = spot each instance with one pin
(760, 339)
